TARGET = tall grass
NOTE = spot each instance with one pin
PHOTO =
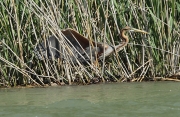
(23, 24)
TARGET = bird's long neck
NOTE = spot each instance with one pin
(124, 42)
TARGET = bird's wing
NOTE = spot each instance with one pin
(75, 38)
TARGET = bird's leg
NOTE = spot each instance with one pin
(67, 69)
(96, 63)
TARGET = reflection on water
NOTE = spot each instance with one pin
(102, 100)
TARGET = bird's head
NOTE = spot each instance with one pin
(127, 28)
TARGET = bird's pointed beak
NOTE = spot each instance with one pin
(137, 30)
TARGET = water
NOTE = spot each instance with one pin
(150, 99)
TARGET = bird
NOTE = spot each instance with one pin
(79, 48)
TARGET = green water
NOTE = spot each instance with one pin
(147, 99)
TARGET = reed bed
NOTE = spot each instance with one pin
(24, 24)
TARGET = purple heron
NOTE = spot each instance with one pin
(82, 48)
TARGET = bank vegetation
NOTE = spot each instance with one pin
(25, 23)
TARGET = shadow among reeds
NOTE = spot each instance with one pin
(24, 24)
